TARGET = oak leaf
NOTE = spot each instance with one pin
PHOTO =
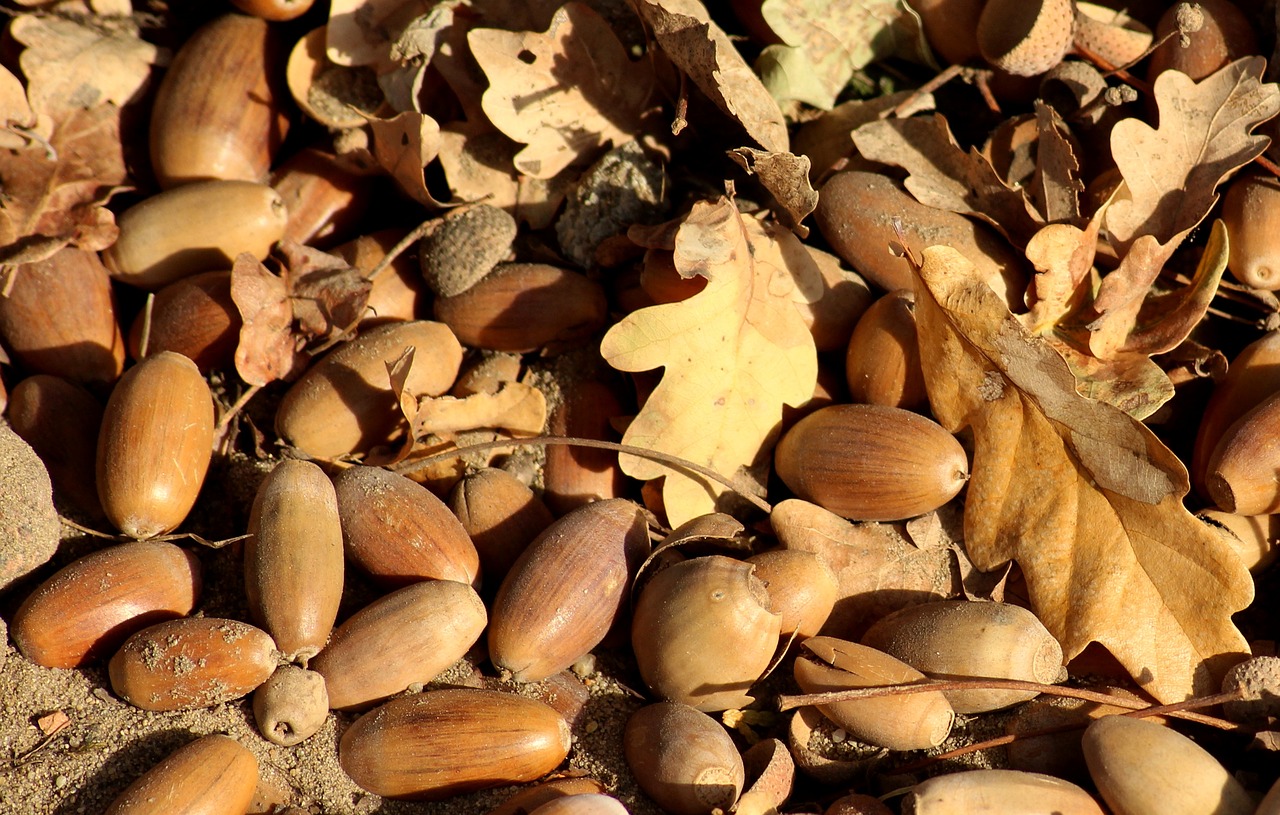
(1085, 498)
(734, 353)
(564, 93)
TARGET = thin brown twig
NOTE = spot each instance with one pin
(226, 418)
(400, 248)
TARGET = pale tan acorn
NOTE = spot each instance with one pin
(194, 228)
(293, 558)
(530, 798)
(217, 114)
(589, 803)
(1252, 376)
(1242, 471)
(915, 721)
(959, 638)
(1251, 213)
(291, 706)
(446, 742)
(802, 588)
(567, 589)
(191, 663)
(1143, 768)
(89, 607)
(871, 462)
(154, 446)
(405, 637)
(1025, 37)
(998, 792)
(1252, 537)
(683, 759)
(213, 775)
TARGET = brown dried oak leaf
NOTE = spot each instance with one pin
(733, 353)
(1082, 496)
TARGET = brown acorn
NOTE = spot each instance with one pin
(399, 532)
(154, 445)
(567, 589)
(90, 606)
(195, 317)
(291, 706)
(573, 476)
(325, 198)
(1252, 376)
(950, 26)
(399, 294)
(1007, 792)
(529, 799)
(1225, 34)
(802, 589)
(191, 663)
(59, 318)
(1025, 37)
(194, 228)
(445, 742)
(293, 558)
(407, 636)
(683, 759)
(1242, 472)
(882, 362)
(217, 114)
(871, 462)
(1251, 213)
(213, 775)
(60, 420)
(501, 515)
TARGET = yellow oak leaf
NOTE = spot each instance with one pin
(733, 354)
(1085, 498)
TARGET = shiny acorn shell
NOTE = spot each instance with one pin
(1241, 477)
(530, 798)
(998, 792)
(293, 558)
(702, 632)
(565, 591)
(915, 721)
(501, 515)
(154, 445)
(1253, 375)
(440, 743)
(683, 759)
(344, 402)
(407, 636)
(90, 606)
(194, 316)
(882, 361)
(959, 638)
(802, 588)
(1143, 768)
(213, 775)
(871, 462)
(191, 663)
(399, 532)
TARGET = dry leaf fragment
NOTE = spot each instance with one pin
(267, 350)
(701, 49)
(328, 296)
(733, 353)
(518, 408)
(564, 93)
(360, 32)
(1082, 496)
(1056, 186)
(403, 145)
(786, 177)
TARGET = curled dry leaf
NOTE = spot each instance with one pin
(564, 93)
(786, 177)
(267, 350)
(1085, 498)
(403, 145)
(734, 353)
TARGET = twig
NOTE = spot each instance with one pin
(399, 249)
(145, 342)
(236, 408)
(943, 77)
(86, 530)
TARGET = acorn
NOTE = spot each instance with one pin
(89, 607)
(522, 307)
(291, 706)
(802, 589)
(293, 558)
(1142, 768)
(191, 663)
(1025, 37)
(1251, 213)
(60, 420)
(344, 403)
(195, 317)
(871, 462)
(1224, 35)
(567, 589)
(325, 198)
(399, 294)
(950, 26)
(1252, 537)
(962, 638)
(213, 775)
(406, 637)
(1242, 471)
(915, 721)
(882, 361)
(154, 445)
(446, 742)
(702, 632)
(59, 318)
(194, 228)
(501, 515)
(217, 114)
(590, 803)
(529, 799)
(464, 247)
(1006, 792)
(399, 532)
(1252, 376)
(683, 759)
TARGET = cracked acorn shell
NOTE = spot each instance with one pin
(213, 775)
(1143, 768)
(191, 663)
(915, 721)
(90, 606)
(344, 403)
(998, 792)
(439, 743)
(959, 638)
(293, 558)
(871, 462)
(154, 445)
(802, 588)
(683, 759)
(408, 636)
(399, 532)
(567, 589)
(702, 632)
